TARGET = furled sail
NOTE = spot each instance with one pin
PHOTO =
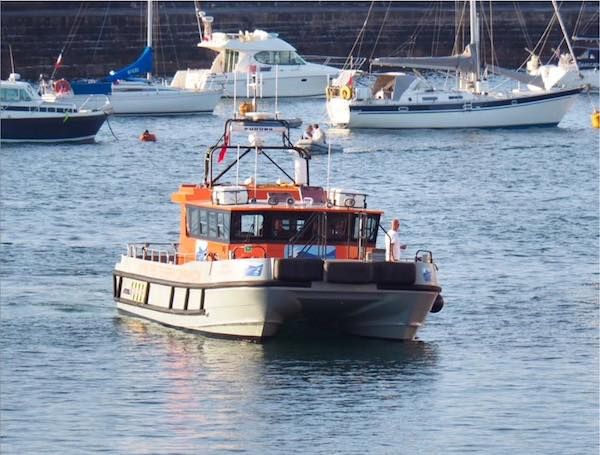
(142, 65)
(464, 63)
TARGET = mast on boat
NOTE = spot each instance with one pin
(474, 32)
(149, 32)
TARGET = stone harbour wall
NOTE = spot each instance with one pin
(101, 36)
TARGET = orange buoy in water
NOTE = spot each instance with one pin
(148, 137)
(596, 119)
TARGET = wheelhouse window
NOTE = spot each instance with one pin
(279, 58)
(208, 224)
(247, 226)
(369, 227)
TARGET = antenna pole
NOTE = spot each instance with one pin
(276, 89)
(328, 166)
(12, 62)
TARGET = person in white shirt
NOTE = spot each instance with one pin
(393, 246)
(318, 136)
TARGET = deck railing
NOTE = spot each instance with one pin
(166, 253)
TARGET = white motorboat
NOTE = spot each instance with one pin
(281, 70)
(400, 100)
(131, 95)
(253, 258)
(26, 117)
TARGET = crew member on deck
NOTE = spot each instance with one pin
(318, 136)
(308, 134)
(393, 246)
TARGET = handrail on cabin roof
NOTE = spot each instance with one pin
(253, 125)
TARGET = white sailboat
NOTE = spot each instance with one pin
(131, 95)
(581, 65)
(399, 100)
(281, 70)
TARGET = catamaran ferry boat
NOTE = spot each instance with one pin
(255, 257)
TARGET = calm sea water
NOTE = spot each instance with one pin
(509, 366)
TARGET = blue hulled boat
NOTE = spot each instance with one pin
(26, 117)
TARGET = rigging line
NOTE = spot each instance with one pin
(349, 58)
(541, 42)
(493, 56)
(387, 11)
(522, 24)
(101, 30)
(358, 53)
(576, 27)
(459, 29)
(173, 44)
(410, 43)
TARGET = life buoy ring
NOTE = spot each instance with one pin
(62, 86)
(346, 92)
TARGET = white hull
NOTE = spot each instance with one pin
(164, 102)
(543, 112)
(290, 83)
(222, 300)
(151, 102)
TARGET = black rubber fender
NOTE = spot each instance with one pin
(438, 304)
(298, 270)
(350, 272)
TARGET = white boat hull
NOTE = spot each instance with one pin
(290, 83)
(218, 298)
(164, 102)
(357, 114)
(150, 102)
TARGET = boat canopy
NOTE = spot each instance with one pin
(465, 62)
(142, 65)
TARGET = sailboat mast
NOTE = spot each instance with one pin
(474, 31)
(149, 31)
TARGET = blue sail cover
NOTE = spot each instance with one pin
(142, 65)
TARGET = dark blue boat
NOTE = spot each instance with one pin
(26, 117)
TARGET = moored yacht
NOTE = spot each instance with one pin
(282, 71)
(399, 100)
(26, 117)
(130, 94)
(254, 257)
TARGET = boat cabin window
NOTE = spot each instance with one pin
(12, 95)
(247, 226)
(370, 228)
(279, 58)
(231, 60)
(284, 227)
(208, 224)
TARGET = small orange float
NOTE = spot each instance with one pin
(148, 137)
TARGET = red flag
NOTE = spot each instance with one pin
(58, 62)
(223, 150)
(350, 82)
